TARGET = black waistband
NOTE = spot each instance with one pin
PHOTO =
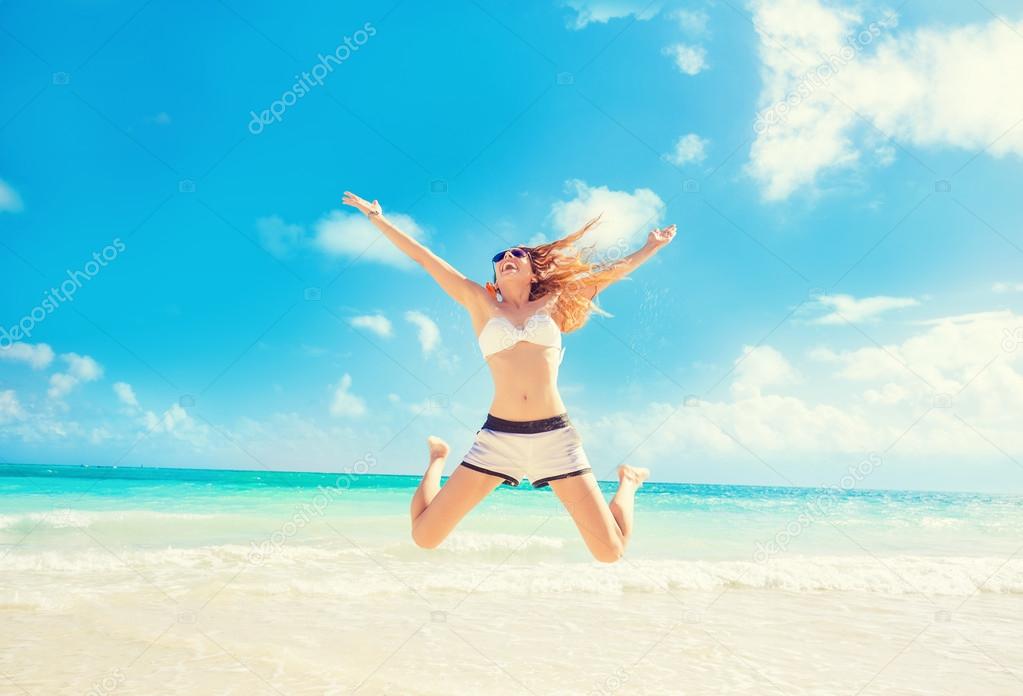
(526, 427)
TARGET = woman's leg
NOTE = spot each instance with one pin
(436, 509)
(430, 485)
(605, 527)
(622, 504)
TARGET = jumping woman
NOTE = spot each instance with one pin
(537, 294)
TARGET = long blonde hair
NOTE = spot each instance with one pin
(562, 269)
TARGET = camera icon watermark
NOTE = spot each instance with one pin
(108, 684)
(693, 616)
(438, 402)
(312, 294)
(816, 294)
(310, 79)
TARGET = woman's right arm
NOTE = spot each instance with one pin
(656, 240)
(460, 288)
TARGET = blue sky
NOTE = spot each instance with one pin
(845, 282)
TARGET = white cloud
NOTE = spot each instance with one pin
(174, 417)
(376, 323)
(175, 421)
(967, 406)
(691, 60)
(753, 426)
(126, 394)
(10, 408)
(81, 368)
(278, 237)
(760, 367)
(10, 201)
(355, 237)
(822, 354)
(602, 11)
(689, 148)
(850, 309)
(159, 436)
(627, 217)
(691, 21)
(1007, 287)
(430, 406)
(289, 441)
(38, 355)
(890, 393)
(949, 354)
(346, 404)
(933, 87)
(428, 331)
(537, 239)
(885, 155)
(61, 385)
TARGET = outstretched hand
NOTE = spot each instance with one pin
(361, 204)
(660, 237)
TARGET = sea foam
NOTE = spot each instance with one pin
(359, 571)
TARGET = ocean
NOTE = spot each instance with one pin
(147, 580)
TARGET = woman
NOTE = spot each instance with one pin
(537, 294)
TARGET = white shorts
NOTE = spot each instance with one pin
(539, 450)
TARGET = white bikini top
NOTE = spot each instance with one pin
(500, 334)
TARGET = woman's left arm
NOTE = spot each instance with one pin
(656, 240)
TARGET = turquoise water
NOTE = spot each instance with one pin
(313, 581)
(42, 506)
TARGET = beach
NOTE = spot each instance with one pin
(184, 581)
(256, 254)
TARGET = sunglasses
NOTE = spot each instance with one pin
(517, 253)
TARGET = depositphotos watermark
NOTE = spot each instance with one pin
(819, 76)
(259, 553)
(55, 296)
(611, 684)
(1012, 339)
(108, 684)
(817, 507)
(313, 77)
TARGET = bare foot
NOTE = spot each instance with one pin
(635, 474)
(438, 448)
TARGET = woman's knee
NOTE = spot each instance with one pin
(424, 538)
(609, 551)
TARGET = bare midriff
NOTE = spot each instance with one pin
(526, 382)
